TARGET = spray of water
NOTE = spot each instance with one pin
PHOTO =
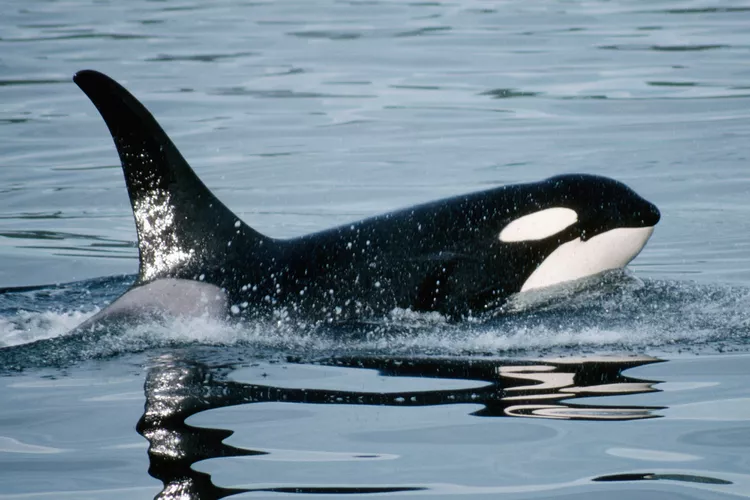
(611, 313)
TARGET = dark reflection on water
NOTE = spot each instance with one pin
(706, 10)
(649, 476)
(665, 48)
(179, 388)
(521, 388)
(4, 83)
(508, 93)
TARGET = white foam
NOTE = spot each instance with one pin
(402, 333)
(499, 340)
(610, 314)
(26, 327)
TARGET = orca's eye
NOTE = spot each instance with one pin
(539, 225)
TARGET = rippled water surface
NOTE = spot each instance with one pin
(301, 116)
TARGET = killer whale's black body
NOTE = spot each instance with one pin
(442, 256)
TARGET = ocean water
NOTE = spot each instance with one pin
(301, 116)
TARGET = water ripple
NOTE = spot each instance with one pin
(206, 58)
(284, 94)
(666, 48)
(329, 35)
(6, 83)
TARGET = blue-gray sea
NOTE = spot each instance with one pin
(302, 115)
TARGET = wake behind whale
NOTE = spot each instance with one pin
(459, 257)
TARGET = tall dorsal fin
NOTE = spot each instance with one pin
(184, 231)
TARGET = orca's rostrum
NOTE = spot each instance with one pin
(458, 256)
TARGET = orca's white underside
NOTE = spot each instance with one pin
(577, 259)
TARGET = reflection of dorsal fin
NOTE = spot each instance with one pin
(184, 231)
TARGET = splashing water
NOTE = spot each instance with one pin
(614, 312)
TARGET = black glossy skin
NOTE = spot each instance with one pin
(441, 256)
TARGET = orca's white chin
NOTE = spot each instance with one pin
(577, 259)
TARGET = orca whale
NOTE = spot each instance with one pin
(459, 256)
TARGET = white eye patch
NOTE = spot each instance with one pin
(539, 225)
